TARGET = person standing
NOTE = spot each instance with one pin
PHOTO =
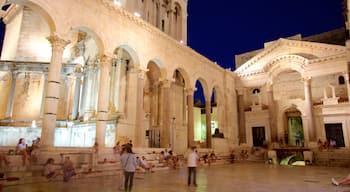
(128, 160)
(192, 162)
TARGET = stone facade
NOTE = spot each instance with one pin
(105, 74)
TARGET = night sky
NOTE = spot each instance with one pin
(222, 28)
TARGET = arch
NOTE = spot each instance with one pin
(285, 63)
(133, 55)
(160, 65)
(39, 9)
(96, 38)
(205, 87)
(185, 76)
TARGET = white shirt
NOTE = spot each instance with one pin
(192, 159)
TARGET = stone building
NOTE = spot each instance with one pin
(76, 72)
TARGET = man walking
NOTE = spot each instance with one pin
(192, 162)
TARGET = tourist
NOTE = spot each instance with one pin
(121, 175)
(161, 157)
(320, 145)
(128, 160)
(35, 150)
(212, 156)
(21, 149)
(345, 181)
(192, 162)
(3, 158)
(145, 165)
(117, 148)
(50, 171)
(68, 169)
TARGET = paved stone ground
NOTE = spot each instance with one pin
(241, 177)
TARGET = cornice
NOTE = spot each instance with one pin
(158, 33)
(303, 44)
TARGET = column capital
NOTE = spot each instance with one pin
(189, 91)
(57, 43)
(105, 61)
(306, 79)
(166, 83)
(240, 91)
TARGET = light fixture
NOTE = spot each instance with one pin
(33, 124)
(117, 3)
(137, 14)
(181, 41)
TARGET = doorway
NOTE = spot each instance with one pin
(258, 136)
(335, 131)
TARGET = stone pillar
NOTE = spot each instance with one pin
(309, 110)
(102, 107)
(52, 91)
(165, 130)
(139, 128)
(241, 118)
(171, 22)
(347, 82)
(76, 100)
(43, 96)
(12, 93)
(272, 114)
(208, 120)
(190, 117)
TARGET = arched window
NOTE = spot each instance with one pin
(341, 80)
(256, 91)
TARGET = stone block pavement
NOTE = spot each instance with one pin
(240, 177)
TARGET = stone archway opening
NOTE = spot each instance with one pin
(151, 104)
(293, 130)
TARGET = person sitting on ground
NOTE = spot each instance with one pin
(320, 145)
(21, 149)
(172, 160)
(232, 156)
(50, 171)
(326, 144)
(3, 158)
(166, 154)
(145, 165)
(117, 148)
(35, 150)
(212, 156)
(161, 157)
(205, 158)
(68, 169)
(345, 181)
(138, 165)
(244, 154)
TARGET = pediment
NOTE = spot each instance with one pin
(294, 53)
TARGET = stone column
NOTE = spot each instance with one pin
(52, 91)
(12, 93)
(208, 120)
(171, 22)
(190, 117)
(139, 128)
(241, 118)
(165, 130)
(76, 96)
(309, 110)
(272, 114)
(43, 96)
(347, 82)
(102, 107)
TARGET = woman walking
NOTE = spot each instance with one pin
(128, 160)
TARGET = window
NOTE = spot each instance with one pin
(341, 80)
(256, 90)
